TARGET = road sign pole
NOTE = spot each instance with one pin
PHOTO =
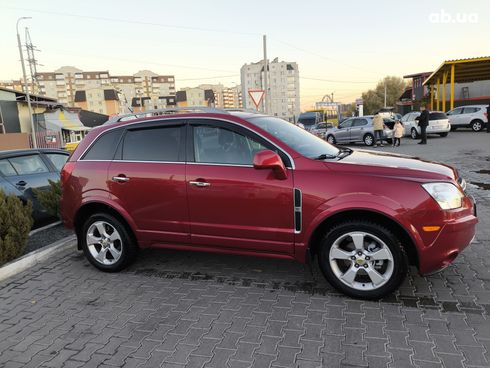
(266, 90)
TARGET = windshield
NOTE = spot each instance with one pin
(307, 121)
(298, 139)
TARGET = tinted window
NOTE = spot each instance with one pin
(455, 111)
(25, 165)
(298, 139)
(470, 110)
(359, 122)
(152, 144)
(6, 168)
(104, 146)
(223, 146)
(437, 116)
(346, 124)
(57, 159)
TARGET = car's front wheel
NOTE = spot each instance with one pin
(331, 139)
(414, 134)
(368, 139)
(107, 243)
(362, 259)
(476, 125)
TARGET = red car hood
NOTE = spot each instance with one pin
(396, 164)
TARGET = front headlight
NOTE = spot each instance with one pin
(446, 194)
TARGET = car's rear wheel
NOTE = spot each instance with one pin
(368, 139)
(453, 128)
(362, 259)
(414, 134)
(331, 139)
(443, 134)
(476, 125)
(107, 243)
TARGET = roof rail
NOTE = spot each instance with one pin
(239, 109)
(165, 111)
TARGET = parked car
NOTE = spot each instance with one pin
(321, 129)
(22, 171)
(250, 184)
(472, 116)
(358, 130)
(438, 124)
(309, 119)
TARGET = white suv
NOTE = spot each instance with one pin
(438, 124)
(471, 116)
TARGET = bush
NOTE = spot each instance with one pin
(50, 199)
(15, 223)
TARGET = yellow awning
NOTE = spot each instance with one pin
(465, 70)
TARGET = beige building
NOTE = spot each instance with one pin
(187, 97)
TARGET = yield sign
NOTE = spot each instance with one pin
(256, 95)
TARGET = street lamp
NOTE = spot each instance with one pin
(26, 86)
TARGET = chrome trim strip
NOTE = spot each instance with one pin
(216, 164)
(185, 119)
(298, 209)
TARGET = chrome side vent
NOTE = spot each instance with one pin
(298, 205)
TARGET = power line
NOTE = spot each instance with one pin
(335, 81)
(120, 20)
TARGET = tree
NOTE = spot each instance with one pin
(50, 199)
(374, 98)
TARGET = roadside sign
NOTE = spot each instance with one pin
(256, 95)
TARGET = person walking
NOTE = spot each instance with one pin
(378, 125)
(398, 131)
(488, 119)
(423, 120)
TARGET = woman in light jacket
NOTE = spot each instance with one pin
(398, 131)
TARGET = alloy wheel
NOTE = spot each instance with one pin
(361, 261)
(104, 242)
(476, 126)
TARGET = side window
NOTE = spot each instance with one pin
(6, 168)
(469, 110)
(26, 165)
(153, 144)
(223, 146)
(455, 111)
(346, 124)
(359, 122)
(57, 159)
(104, 147)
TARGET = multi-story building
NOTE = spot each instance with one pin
(283, 87)
(232, 97)
(187, 97)
(63, 84)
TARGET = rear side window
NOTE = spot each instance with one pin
(57, 159)
(26, 165)
(6, 168)
(104, 147)
(470, 110)
(437, 116)
(153, 144)
(359, 122)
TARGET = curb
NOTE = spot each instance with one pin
(33, 258)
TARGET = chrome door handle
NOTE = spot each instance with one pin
(199, 183)
(120, 179)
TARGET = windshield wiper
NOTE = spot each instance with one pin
(344, 151)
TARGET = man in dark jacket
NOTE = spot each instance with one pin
(423, 120)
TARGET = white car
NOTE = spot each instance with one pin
(471, 116)
(438, 124)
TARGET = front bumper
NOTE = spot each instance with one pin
(454, 236)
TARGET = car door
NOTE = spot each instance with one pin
(232, 205)
(147, 179)
(342, 134)
(455, 117)
(31, 173)
(357, 130)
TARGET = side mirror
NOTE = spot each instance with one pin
(268, 159)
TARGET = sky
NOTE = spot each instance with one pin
(342, 47)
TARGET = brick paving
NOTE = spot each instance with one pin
(183, 309)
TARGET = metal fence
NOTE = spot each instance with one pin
(47, 139)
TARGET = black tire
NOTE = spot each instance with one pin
(453, 128)
(414, 134)
(331, 139)
(368, 139)
(443, 134)
(127, 245)
(476, 125)
(400, 261)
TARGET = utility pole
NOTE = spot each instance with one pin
(385, 92)
(266, 67)
(26, 86)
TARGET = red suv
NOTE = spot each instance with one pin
(251, 184)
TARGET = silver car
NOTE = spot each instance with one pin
(357, 130)
(471, 116)
(438, 124)
(321, 129)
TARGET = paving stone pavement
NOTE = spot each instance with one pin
(183, 309)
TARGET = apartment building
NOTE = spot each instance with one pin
(99, 100)
(195, 97)
(283, 87)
